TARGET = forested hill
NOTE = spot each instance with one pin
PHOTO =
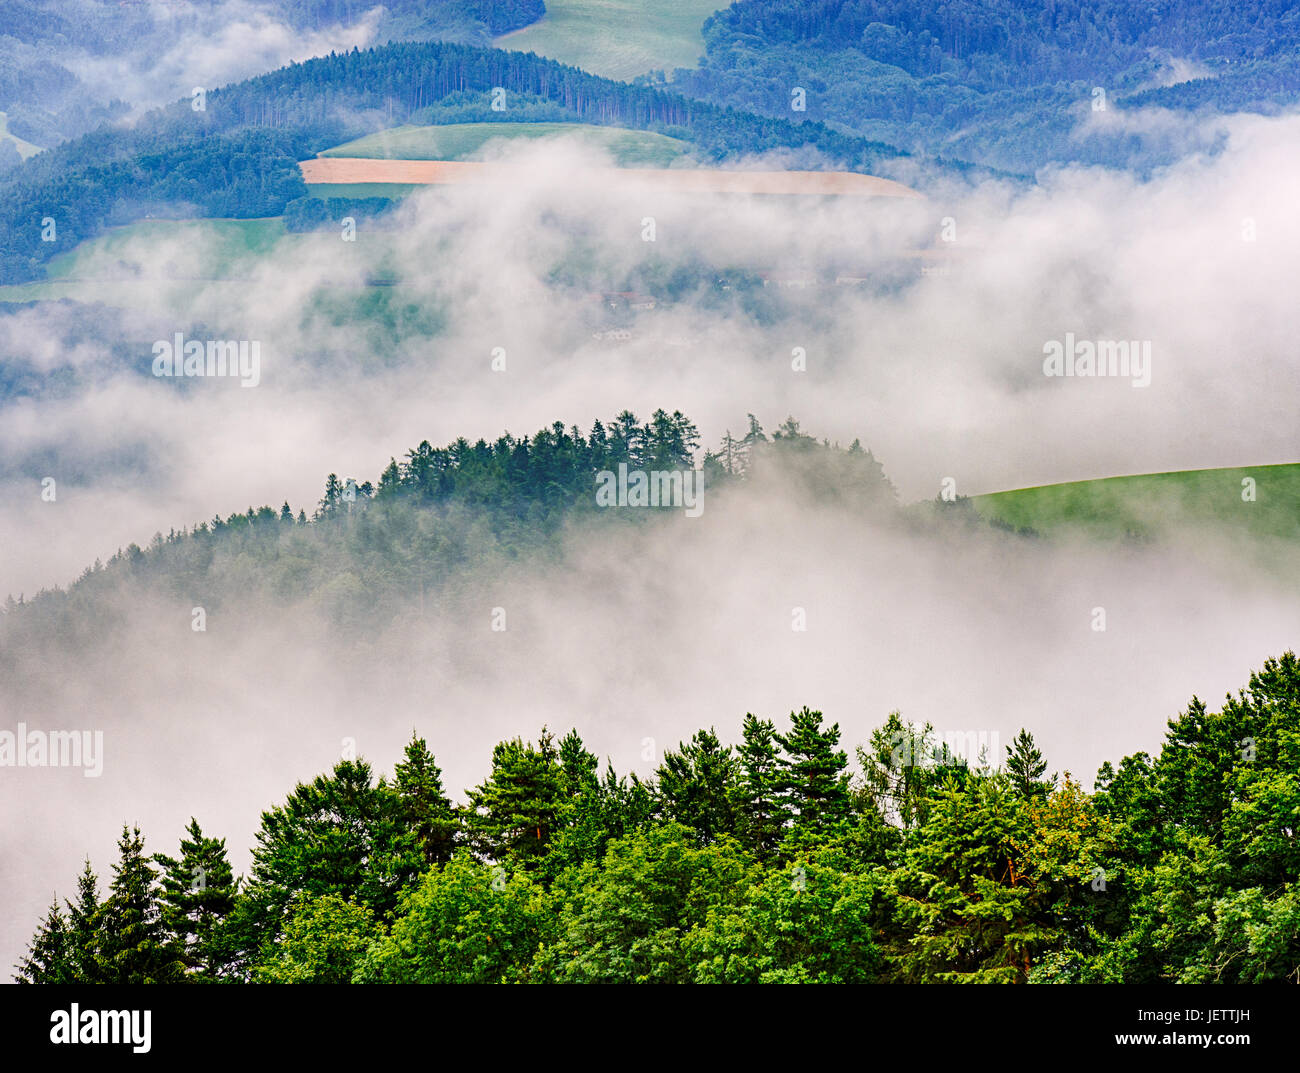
(431, 517)
(999, 82)
(237, 155)
(50, 89)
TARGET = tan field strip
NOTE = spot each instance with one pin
(668, 180)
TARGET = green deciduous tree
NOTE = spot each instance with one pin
(324, 939)
(467, 922)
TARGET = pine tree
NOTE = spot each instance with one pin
(761, 812)
(590, 811)
(1025, 766)
(696, 786)
(198, 895)
(134, 947)
(579, 765)
(332, 498)
(516, 812)
(816, 777)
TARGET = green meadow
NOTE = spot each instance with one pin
(1144, 506)
(461, 141)
(617, 38)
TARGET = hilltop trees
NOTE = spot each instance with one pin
(238, 157)
(816, 774)
(696, 786)
(517, 811)
(427, 817)
(927, 869)
(759, 794)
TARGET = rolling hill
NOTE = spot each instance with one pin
(1147, 505)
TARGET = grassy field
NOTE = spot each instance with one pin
(225, 243)
(461, 141)
(617, 38)
(361, 189)
(209, 249)
(1144, 506)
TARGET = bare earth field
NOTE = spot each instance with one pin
(677, 180)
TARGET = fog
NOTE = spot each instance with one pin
(172, 47)
(652, 632)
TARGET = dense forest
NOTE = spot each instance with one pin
(1003, 83)
(771, 860)
(237, 155)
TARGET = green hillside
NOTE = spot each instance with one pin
(617, 38)
(461, 141)
(1145, 505)
(389, 190)
(108, 267)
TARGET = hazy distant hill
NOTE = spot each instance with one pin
(1000, 82)
(68, 65)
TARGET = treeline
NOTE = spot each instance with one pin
(1002, 83)
(236, 155)
(773, 860)
(401, 79)
(371, 546)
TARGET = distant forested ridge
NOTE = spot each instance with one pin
(997, 81)
(430, 517)
(237, 155)
(769, 859)
(43, 87)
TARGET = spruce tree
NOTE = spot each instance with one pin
(761, 812)
(1025, 766)
(48, 959)
(816, 776)
(423, 806)
(83, 926)
(134, 946)
(696, 786)
(198, 895)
